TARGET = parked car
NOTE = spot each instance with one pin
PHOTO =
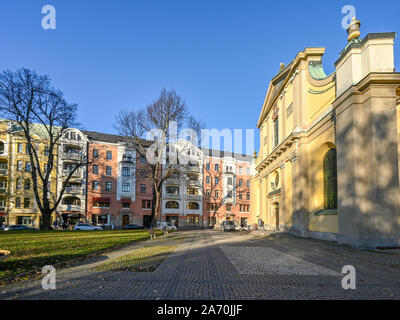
(18, 227)
(166, 226)
(228, 226)
(86, 227)
(132, 227)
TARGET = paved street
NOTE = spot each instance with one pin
(217, 265)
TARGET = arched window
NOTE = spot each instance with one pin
(172, 205)
(330, 180)
(192, 206)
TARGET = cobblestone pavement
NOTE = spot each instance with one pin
(216, 265)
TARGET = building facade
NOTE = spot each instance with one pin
(17, 199)
(212, 187)
(72, 151)
(118, 191)
(227, 188)
(328, 164)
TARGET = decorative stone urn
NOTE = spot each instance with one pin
(4, 254)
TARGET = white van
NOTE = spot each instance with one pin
(166, 226)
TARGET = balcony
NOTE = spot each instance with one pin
(3, 171)
(171, 196)
(172, 181)
(72, 156)
(228, 200)
(171, 210)
(194, 197)
(74, 190)
(77, 174)
(194, 211)
(70, 207)
(195, 169)
(173, 166)
(194, 183)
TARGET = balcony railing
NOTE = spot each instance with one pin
(193, 169)
(173, 181)
(194, 197)
(76, 174)
(196, 183)
(171, 196)
(228, 199)
(71, 207)
(74, 190)
(3, 172)
(72, 156)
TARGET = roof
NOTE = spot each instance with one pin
(316, 70)
(104, 137)
(113, 138)
(221, 154)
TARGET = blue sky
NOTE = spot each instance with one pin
(219, 55)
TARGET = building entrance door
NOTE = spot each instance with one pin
(147, 221)
(125, 220)
(277, 216)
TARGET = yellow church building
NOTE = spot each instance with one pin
(328, 164)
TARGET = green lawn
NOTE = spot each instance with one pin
(32, 250)
(145, 259)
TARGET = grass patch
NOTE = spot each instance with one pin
(31, 250)
(145, 259)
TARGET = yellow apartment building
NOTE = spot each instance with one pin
(18, 204)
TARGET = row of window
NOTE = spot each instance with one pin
(228, 207)
(26, 204)
(175, 205)
(229, 195)
(109, 156)
(126, 186)
(229, 181)
(146, 204)
(126, 171)
(227, 168)
(73, 136)
(95, 154)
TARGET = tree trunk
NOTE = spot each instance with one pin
(45, 223)
(157, 207)
(153, 208)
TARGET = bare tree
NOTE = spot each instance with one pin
(159, 123)
(29, 100)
